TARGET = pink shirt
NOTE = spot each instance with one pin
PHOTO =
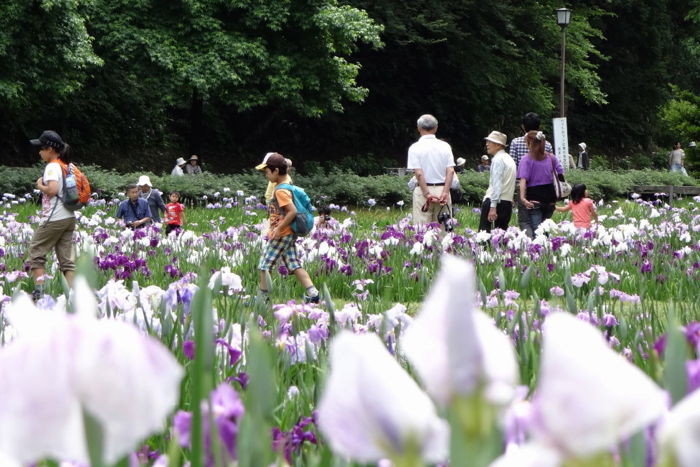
(581, 212)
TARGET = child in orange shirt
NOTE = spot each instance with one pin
(581, 206)
(281, 238)
(174, 213)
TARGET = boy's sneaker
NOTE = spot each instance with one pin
(314, 299)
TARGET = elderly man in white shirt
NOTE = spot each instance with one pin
(433, 163)
(497, 207)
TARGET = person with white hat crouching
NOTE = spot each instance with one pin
(153, 196)
(178, 170)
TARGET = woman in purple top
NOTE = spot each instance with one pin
(535, 173)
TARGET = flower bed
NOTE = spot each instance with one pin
(556, 348)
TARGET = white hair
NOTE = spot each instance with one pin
(427, 122)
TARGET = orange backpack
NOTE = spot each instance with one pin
(76, 187)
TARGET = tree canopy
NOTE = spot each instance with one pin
(136, 83)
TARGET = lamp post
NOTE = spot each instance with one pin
(563, 18)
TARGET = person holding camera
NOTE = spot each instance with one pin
(433, 163)
(134, 211)
(497, 207)
(324, 220)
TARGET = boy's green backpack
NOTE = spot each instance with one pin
(304, 221)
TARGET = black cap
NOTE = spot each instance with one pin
(49, 138)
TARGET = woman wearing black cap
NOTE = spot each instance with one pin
(57, 223)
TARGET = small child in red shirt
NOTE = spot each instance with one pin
(581, 206)
(174, 213)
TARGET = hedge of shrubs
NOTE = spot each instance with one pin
(343, 188)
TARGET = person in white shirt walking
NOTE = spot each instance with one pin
(433, 164)
(497, 207)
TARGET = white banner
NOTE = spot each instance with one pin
(561, 141)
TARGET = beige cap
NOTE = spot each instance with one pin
(498, 138)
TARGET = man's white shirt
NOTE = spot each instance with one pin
(431, 155)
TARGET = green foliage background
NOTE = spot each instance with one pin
(337, 186)
(134, 84)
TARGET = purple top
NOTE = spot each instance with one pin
(538, 172)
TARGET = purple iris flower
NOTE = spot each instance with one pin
(692, 333)
(692, 368)
(233, 353)
(226, 408)
(241, 379)
(188, 348)
(609, 320)
(291, 442)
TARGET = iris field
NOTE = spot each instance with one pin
(575, 348)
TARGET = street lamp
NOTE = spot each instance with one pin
(563, 18)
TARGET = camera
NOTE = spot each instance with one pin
(444, 217)
(326, 218)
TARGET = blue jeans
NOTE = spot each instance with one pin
(676, 168)
(539, 213)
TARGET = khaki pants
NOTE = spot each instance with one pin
(57, 235)
(420, 217)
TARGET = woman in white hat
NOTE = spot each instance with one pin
(459, 164)
(583, 160)
(193, 167)
(153, 196)
(484, 166)
(179, 166)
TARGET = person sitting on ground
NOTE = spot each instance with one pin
(174, 213)
(193, 167)
(178, 170)
(484, 166)
(134, 211)
(581, 206)
(281, 238)
(153, 196)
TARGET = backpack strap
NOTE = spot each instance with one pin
(285, 186)
(64, 173)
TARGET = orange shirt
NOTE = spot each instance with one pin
(173, 213)
(280, 199)
(581, 212)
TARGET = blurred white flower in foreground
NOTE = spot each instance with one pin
(456, 348)
(679, 434)
(588, 397)
(529, 455)
(60, 365)
(372, 409)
